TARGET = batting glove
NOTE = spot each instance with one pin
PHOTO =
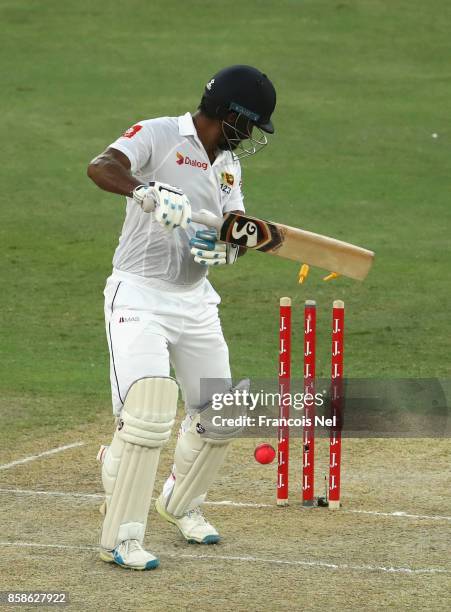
(171, 206)
(208, 251)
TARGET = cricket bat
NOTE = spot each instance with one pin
(291, 243)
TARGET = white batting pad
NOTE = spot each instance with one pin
(130, 465)
(199, 454)
(197, 462)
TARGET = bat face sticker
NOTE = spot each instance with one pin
(249, 233)
(252, 233)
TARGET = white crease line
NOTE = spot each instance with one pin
(247, 559)
(396, 514)
(101, 496)
(52, 451)
(401, 514)
(322, 564)
(38, 545)
(238, 504)
(54, 493)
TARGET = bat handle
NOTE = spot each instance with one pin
(208, 219)
(203, 217)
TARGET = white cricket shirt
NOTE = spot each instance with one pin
(168, 150)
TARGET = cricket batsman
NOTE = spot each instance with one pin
(161, 310)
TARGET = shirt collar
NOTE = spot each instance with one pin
(187, 128)
(186, 125)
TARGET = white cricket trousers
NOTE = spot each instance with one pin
(152, 324)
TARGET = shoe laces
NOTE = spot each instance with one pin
(196, 513)
(131, 545)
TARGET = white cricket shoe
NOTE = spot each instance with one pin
(130, 554)
(192, 525)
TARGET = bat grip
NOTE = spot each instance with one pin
(204, 218)
(208, 219)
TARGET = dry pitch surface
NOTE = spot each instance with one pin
(388, 547)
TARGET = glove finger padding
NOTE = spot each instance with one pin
(210, 235)
(169, 210)
(204, 239)
(185, 217)
(218, 253)
(173, 208)
(206, 259)
(208, 251)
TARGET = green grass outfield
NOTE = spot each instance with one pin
(362, 86)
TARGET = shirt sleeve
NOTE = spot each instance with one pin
(236, 199)
(136, 144)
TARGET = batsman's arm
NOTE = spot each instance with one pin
(111, 171)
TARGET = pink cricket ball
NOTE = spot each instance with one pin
(264, 453)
